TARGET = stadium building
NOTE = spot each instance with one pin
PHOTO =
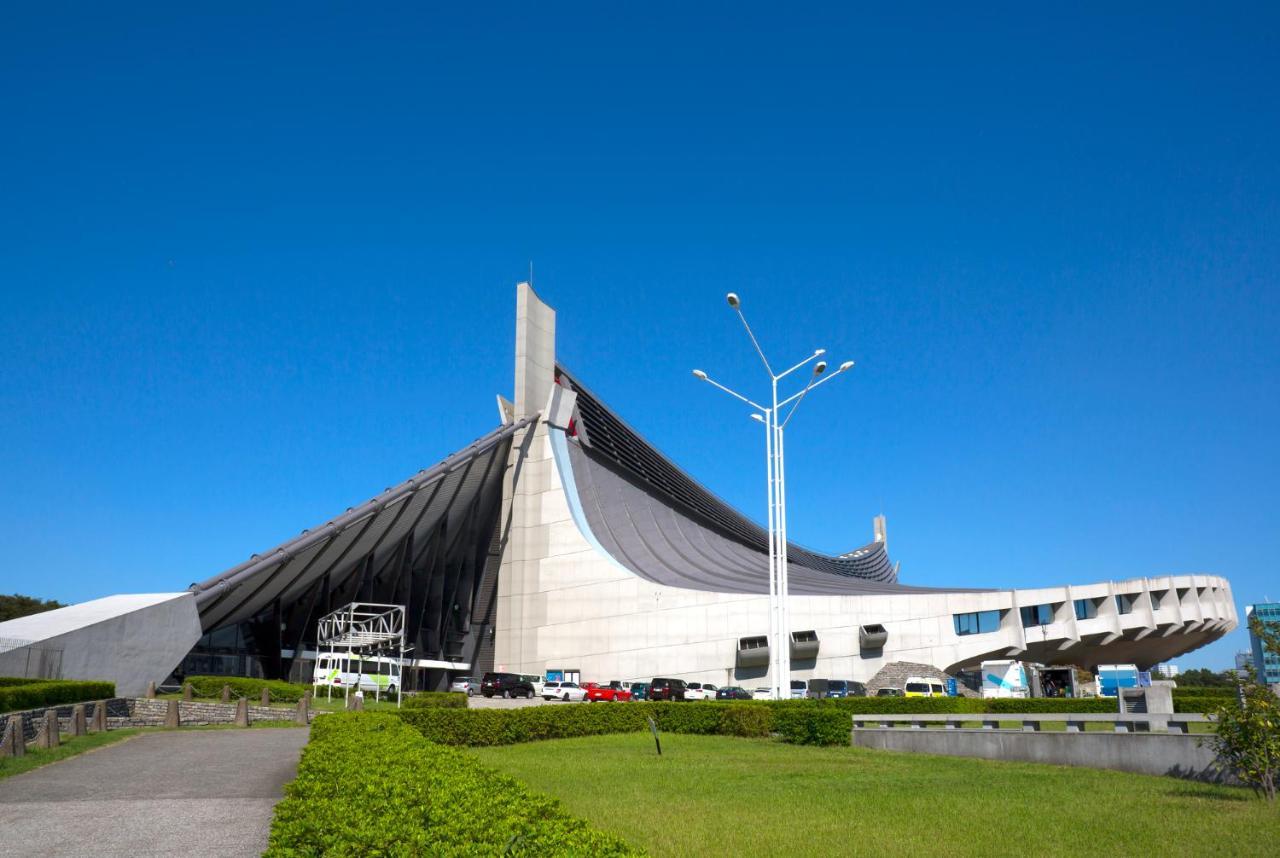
(563, 541)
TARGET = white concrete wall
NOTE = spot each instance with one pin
(564, 604)
(130, 639)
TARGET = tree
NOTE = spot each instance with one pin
(12, 607)
(1247, 730)
(1204, 678)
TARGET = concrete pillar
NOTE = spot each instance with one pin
(359, 702)
(242, 712)
(226, 694)
(306, 695)
(266, 697)
(48, 737)
(79, 727)
(300, 716)
(12, 742)
(100, 717)
(151, 690)
(171, 718)
(188, 692)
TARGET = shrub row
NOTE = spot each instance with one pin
(436, 700)
(52, 693)
(243, 686)
(799, 722)
(6, 681)
(368, 784)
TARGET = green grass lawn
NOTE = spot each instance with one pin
(37, 757)
(714, 795)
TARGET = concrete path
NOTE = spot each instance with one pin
(189, 793)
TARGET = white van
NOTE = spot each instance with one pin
(923, 686)
(381, 676)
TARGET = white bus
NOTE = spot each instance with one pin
(377, 674)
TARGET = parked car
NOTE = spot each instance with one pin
(667, 689)
(733, 692)
(922, 686)
(700, 691)
(536, 681)
(566, 691)
(505, 685)
(639, 691)
(613, 692)
(799, 688)
(845, 688)
(467, 685)
(762, 694)
(818, 688)
(889, 692)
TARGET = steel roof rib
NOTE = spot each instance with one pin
(237, 591)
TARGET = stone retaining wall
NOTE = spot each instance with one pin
(143, 712)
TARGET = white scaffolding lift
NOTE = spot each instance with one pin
(364, 631)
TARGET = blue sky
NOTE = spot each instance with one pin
(256, 269)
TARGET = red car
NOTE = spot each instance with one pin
(611, 693)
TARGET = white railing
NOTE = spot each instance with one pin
(1030, 722)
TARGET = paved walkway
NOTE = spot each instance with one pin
(189, 793)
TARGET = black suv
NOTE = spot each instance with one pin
(505, 685)
(667, 689)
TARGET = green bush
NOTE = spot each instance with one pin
(243, 686)
(752, 722)
(368, 784)
(484, 727)
(6, 681)
(1051, 705)
(53, 693)
(436, 700)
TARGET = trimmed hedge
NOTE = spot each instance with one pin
(53, 692)
(243, 686)
(436, 700)
(799, 722)
(6, 681)
(368, 784)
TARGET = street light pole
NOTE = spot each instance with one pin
(776, 480)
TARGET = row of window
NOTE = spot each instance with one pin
(981, 622)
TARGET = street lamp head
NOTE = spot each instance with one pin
(732, 298)
(820, 367)
(697, 373)
(846, 366)
(819, 351)
(757, 417)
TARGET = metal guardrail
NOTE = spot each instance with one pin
(1030, 722)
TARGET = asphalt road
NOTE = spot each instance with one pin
(189, 793)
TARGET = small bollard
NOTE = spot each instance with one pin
(151, 690)
(306, 695)
(99, 724)
(300, 715)
(9, 742)
(78, 725)
(359, 703)
(19, 735)
(171, 718)
(266, 697)
(48, 735)
(226, 694)
(188, 692)
(242, 712)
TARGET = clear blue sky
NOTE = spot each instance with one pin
(256, 269)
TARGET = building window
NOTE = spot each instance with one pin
(1157, 596)
(977, 623)
(1086, 609)
(1036, 615)
(1124, 602)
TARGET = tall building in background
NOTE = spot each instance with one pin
(1267, 664)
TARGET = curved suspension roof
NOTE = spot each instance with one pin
(661, 524)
